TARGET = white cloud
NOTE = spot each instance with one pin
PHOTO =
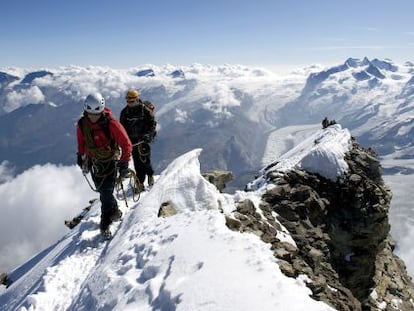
(181, 116)
(225, 95)
(6, 172)
(16, 99)
(402, 229)
(37, 202)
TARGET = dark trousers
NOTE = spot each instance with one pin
(141, 155)
(104, 177)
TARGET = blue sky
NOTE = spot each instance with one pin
(127, 33)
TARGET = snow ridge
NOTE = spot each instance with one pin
(190, 261)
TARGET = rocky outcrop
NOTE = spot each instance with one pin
(340, 234)
(218, 178)
(4, 279)
(167, 209)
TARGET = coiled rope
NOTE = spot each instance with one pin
(133, 182)
(102, 159)
(144, 150)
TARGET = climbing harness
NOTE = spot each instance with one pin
(102, 159)
(103, 163)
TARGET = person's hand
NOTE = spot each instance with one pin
(147, 138)
(123, 169)
(82, 162)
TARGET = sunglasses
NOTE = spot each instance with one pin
(131, 99)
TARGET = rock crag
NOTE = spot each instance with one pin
(340, 230)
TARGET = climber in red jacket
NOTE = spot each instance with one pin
(99, 137)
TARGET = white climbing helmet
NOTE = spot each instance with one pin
(94, 103)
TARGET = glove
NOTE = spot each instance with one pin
(80, 160)
(123, 169)
(83, 163)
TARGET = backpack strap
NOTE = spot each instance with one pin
(87, 133)
(101, 155)
(149, 106)
(107, 131)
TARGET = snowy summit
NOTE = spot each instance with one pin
(188, 261)
(322, 153)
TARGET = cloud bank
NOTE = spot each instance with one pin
(33, 208)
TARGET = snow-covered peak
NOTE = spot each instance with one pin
(322, 152)
(357, 70)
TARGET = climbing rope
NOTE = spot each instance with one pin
(89, 183)
(144, 150)
(134, 183)
(96, 168)
(119, 186)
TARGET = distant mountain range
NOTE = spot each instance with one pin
(229, 111)
(371, 98)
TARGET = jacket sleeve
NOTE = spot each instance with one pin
(151, 123)
(121, 137)
(81, 140)
(122, 118)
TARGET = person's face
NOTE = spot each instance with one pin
(132, 101)
(94, 117)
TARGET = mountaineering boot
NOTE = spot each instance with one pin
(116, 215)
(139, 187)
(150, 180)
(104, 226)
(106, 234)
(105, 221)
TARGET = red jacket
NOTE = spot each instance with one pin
(101, 141)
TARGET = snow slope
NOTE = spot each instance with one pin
(189, 261)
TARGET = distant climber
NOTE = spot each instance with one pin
(139, 122)
(99, 137)
(326, 123)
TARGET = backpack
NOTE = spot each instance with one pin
(104, 126)
(150, 106)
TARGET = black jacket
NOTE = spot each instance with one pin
(138, 121)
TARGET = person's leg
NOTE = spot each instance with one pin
(109, 206)
(146, 162)
(138, 164)
(149, 171)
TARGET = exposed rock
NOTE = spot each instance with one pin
(341, 231)
(218, 178)
(233, 224)
(4, 279)
(166, 210)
